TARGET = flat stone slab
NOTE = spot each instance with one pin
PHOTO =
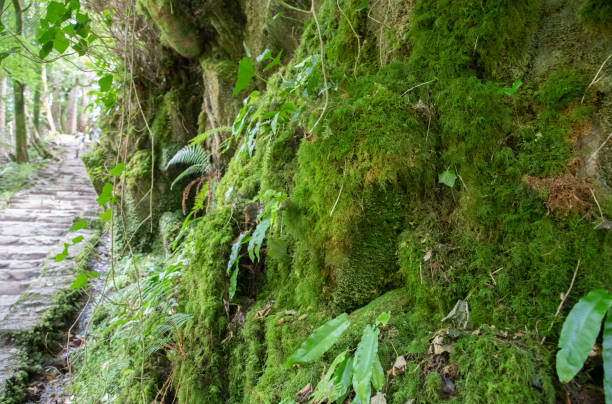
(33, 229)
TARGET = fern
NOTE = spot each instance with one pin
(195, 156)
(203, 136)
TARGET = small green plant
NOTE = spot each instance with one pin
(273, 201)
(362, 370)
(578, 335)
(195, 157)
(509, 91)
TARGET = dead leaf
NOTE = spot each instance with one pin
(460, 314)
(427, 256)
(228, 338)
(281, 320)
(302, 317)
(399, 366)
(302, 395)
(378, 399)
(290, 312)
(265, 311)
(440, 343)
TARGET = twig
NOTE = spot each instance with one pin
(316, 21)
(290, 7)
(417, 86)
(597, 202)
(563, 298)
(356, 36)
(595, 79)
(337, 199)
(600, 147)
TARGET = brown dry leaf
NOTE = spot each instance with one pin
(265, 311)
(378, 399)
(399, 366)
(228, 338)
(565, 193)
(302, 395)
(451, 370)
(440, 343)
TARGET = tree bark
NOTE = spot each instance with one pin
(82, 115)
(71, 115)
(45, 99)
(21, 141)
(5, 136)
(36, 109)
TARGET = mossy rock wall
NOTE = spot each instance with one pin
(415, 89)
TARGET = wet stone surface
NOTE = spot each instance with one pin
(33, 229)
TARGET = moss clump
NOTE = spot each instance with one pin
(373, 149)
(562, 87)
(205, 286)
(598, 12)
(453, 38)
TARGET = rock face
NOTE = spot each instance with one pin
(33, 229)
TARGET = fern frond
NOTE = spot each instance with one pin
(193, 154)
(203, 136)
(195, 169)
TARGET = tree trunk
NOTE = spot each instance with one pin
(56, 109)
(45, 99)
(35, 137)
(4, 135)
(71, 114)
(36, 109)
(21, 141)
(82, 115)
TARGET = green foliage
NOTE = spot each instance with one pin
(510, 91)
(580, 330)
(597, 12)
(562, 87)
(192, 155)
(364, 368)
(319, 341)
(447, 178)
(366, 359)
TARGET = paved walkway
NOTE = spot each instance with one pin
(33, 229)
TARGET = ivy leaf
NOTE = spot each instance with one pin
(245, 75)
(383, 318)
(63, 255)
(235, 250)
(60, 43)
(579, 332)
(447, 178)
(55, 11)
(77, 240)
(92, 274)
(107, 215)
(378, 374)
(117, 170)
(257, 238)
(81, 224)
(45, 50)
(274, 62)
(607, 356)
(365, 356)
(511, 90)
(46, 35)
(105, 82)
(319, 341)
(79, 282)
(106, 194)
(74, 5)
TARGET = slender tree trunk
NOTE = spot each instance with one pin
(71, 114)
(82, 115)
(56, 109)
(35, 137)
(4, 135)
(45, 99)
(36, 109)
(21, 141)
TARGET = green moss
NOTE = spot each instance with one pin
(562, 87)
(176, 27)
(508, 371)
(201, 376)
(598, 12)
(371, 150)
(454, 38)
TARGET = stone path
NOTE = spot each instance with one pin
(33, 229)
